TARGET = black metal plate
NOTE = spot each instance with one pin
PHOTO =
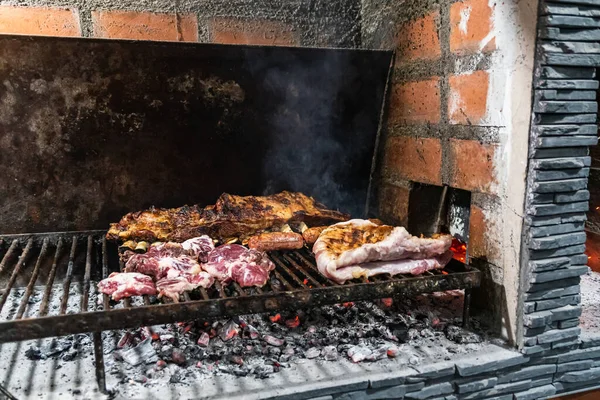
(92, 129)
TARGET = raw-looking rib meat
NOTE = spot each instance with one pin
(172, 287)
(234, 262)
(231, 217)
(126, 284)
(357, 248)
(174, 266)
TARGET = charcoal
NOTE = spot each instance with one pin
(263, 371)
(203, 340)
(34, 353)
(378, 354)
(459, 335)
(273, 341)
(70, 355)
(143, 352)
(178, 357)
(313, 352)
(251, 332)
(177, 376)
(393, 351)
(274, 351)
(330, 353)
(229, 331)
(359, 353)
(237, 360)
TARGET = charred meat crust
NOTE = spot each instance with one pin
(230, 217)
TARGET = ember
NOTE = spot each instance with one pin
(293, 323)
(459, 249)
(275, 318)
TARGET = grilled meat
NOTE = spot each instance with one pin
(231, 217)
(270, 241)
(119, 285)
(357, 248)
(312, 234)
(232, 262)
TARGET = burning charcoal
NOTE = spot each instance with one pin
(393, 351)
(143, 352)
(293, 323)
(378, 354)
(313, 352)
(273, 341)
(330, 353)
(275, 318)
(229, 331)
(237, 360)
(358, 353)
(126, 340)
(387, 302)
(251, 332)
(274, 351)
(199, 364)
(311, 329)
(203, 340)
(178, 357)
(167, 337)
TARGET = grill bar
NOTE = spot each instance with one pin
(16, 270)
(32, 280)
(294, 284)
(51, 276)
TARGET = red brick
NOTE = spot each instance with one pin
(472, 165)
(415, 102)
(477, 229)
(414, 159)
(419, 39)
(39, 21)
(471, 26)
(467, 102)
(258, 32)
(145, 26)
(393, 204)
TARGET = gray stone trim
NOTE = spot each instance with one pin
(563, 126)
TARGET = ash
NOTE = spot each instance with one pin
(590, 302)
(417, 330)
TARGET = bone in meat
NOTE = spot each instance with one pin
(357, 248)
(126, 284)
(234, 262)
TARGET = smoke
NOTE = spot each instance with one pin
(310, 148)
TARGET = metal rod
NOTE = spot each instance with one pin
(6, 393)
(220, 289)
(438, 218)
(299, 268)
(126, 300)
(282, 279)
(466, 307)
(204, 293)
(86, 277)
(287, 270)
(312, 267)
(32, 280)
(157, 314)
(15, 273)
(99, 357)
(8, 254)
(68, 277)
(105, 300)
(239, 289)
(50, 282)
(186, 296)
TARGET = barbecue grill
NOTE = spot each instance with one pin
(112, 168)
(50, 264)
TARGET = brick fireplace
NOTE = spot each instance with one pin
(491, 98)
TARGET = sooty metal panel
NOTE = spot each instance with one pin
(91, 129)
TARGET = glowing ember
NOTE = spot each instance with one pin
(348, 304)
(275, 318)
(305, 282)
(387, 301)
(459, 249)
(293, 323)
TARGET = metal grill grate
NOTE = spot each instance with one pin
(63, 269)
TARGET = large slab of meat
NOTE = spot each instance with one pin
(119, 285)
(357, 248)
(232, 262)
(231, 217)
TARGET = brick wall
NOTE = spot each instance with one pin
(451, 120)
(276, 22)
